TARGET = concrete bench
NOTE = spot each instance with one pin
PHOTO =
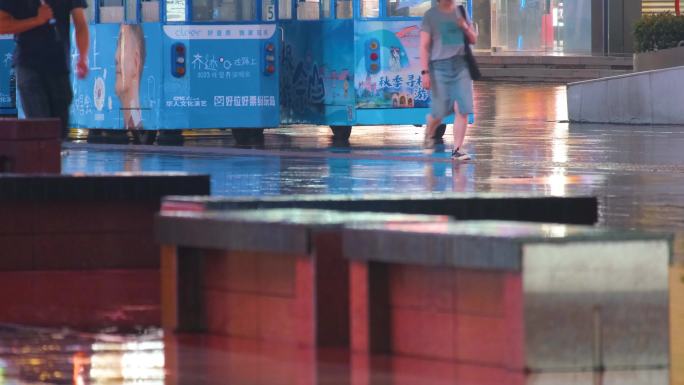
(79, 250)
(30, 145)
(271, 275)
(513, 295)
(518, 207)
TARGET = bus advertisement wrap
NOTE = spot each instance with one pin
(7, 83)
(148, 76)
(122, 89)
(231, 72)
(317, 74)
(388, 66)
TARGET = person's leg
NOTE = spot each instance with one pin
(61, 95)
(33, 93)
(463, 105)
(430, 128)
(440, 106)
(460, 127)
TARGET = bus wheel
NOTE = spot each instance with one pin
(341, 132)
(144, 136)
(248, 135)
(95, 136)
(439, 132)
(108, 136)
(170, 137)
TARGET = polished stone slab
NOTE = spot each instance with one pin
(509, 206)
(474, 244)
(267, 230)
(104, 187)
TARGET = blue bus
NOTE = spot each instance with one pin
(247, 65)
(8, 84)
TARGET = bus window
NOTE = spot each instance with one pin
(111, 11)
(325, 6)
(150, 10)
(268, 11)
(370, 8)
(308, 9)
(285, 9)
(131, 11)
(175, 10)
(406, 8)
(90, 11)
(343, 9)
(223, 10)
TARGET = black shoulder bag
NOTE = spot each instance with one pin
(473, 68)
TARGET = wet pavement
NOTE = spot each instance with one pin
(521, 142)
(32, 356)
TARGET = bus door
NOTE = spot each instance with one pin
(221, 67)
(317, 83)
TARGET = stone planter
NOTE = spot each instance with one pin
(666, 58)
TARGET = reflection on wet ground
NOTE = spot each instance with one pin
(32, 356)
(520, 143)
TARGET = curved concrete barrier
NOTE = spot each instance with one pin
(653, 97)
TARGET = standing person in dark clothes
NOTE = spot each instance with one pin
(42, 55)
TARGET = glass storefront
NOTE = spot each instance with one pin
(561, 26)
(574, 27)
(534, 27)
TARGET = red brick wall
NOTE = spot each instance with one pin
(462, 315)
(77, 235)
(260, 296)
(79, 264)
(32, 155)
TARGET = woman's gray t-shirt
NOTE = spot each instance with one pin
(447, 37)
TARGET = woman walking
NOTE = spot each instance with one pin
(442, 55)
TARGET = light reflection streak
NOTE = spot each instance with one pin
(557, 181)
(128, 361)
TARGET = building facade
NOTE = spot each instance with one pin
(572, 27)
(561, 26)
